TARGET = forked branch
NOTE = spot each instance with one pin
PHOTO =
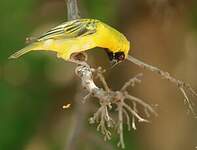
(108, 97)
(182, 86)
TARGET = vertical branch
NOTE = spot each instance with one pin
(72, 10)
(80, 113)
(77, 122)
(120, 124)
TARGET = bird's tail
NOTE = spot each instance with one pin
(33, 46)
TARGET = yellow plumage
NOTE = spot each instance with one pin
(77, 36)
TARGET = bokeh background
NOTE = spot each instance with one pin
(34, 88)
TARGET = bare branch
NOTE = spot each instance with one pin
(180, 84)
(99, 74)
(133, 117)
(120, 124)
(72, 9)
(85, 98)
(132, 82)
(108, 97)
(128, 119)
(141, 102)
(140, 119)
(188, 101)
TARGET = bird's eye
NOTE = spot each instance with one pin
(120, 56)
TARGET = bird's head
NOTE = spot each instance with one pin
(117, 56)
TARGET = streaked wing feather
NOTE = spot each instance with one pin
(71, 29)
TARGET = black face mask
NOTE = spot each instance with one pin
(119, 56)
(115, 57)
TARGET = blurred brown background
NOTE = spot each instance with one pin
(34, 87)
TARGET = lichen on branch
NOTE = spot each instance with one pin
(106, 97)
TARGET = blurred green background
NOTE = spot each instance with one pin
(34, 88)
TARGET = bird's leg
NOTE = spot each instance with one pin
(78, 62)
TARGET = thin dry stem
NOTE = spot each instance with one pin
(133, 117)
(104, 121)
(128, 119)
(182, 86)
(188, 101)
(120, 124)
(146, 106)
(72, 9)
(132, 82)
(99, 74)
(140, 119)
(108, 97)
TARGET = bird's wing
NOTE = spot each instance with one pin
(71, 29)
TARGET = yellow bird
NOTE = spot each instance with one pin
(80, 35)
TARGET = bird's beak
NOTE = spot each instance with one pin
(113, 62)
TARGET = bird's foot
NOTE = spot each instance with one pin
(81, 56)
(78, 62)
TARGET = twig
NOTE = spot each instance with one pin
(128, 119)
(85, 98)
(132, 82)
(72, 9)
(106, 99)
(140, 119)
(120, 124)
(182, 86)
(99, 74)
(133, 117)
(187, 100)
(141, 102)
